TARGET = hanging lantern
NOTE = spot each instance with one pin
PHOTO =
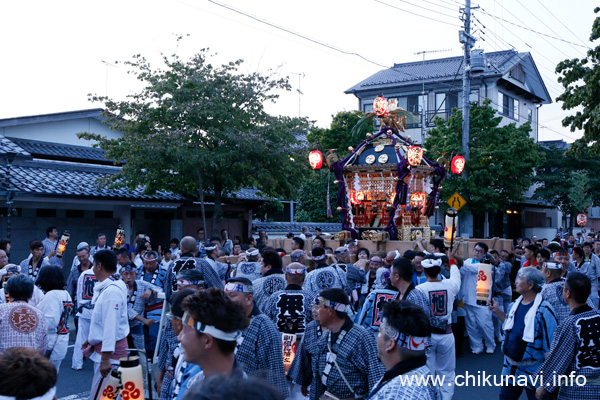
(62, 244)
(451, 223)
(315, 158)
(417, 199)
(380, 106)
(288, 343)
(392, 197)
(414, 155)
(458, 164)
(581, 219)
(357, 197)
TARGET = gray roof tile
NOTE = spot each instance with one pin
(60, 150)
(8, 146)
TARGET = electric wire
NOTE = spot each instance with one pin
(411, 12)
(566, 27)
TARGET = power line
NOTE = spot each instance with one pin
(529, 29)
(558, 19)
(428, 9)
(413, 13)
(440, 5)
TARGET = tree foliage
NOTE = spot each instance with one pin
(312, 200)
(502, 158)
(196, 128)
(581, 80)
(338, 136)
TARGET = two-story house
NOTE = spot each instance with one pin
(431, 88)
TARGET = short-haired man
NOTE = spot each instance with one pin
(187, 260)
(32, 265)
(251, 267)
(441, 359)
(401, 275)
(562, 256)
(84, 295)
(401, 348)
(478, 320)
(355, 277)
(502, 289)
(575, 349)
(100, 244)
(212, 324)
(324, 276)
(528, 329)
(3, 259)
(271, 280)
(419, 275)
(298, 256)
(83, 263)
(348, 364)
(552, 290)
(529, 253)
(21, 324)
(297, 243)
(260, 350)
(109, 324)
(49, 244)
(291, 309)
(200, 243)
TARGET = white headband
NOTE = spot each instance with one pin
(209, 329)
(319, 258)
(210, 248)
(252, 253)
(49, 395)
(430, 262)
(295, 271)
(407, 341)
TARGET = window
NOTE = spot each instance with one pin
(103, 214)
(529, 114)
(45, 213)
(518, 73)
(508, 106)
(75, 214)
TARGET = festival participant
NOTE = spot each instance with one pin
(188, 261)
(479, 318)
(100, 244)
(260, 349)
(562, 256)
(139, 294)
(585, 266)
(528, 329)
(355, 277)
(32, 265)
(271, 281)
(306, 361)
(154, 274)
(84, 295)
(214, 251)
(441, 356)
(297, 243)
(49, 244)
(323, 276)
(575, 349)
(57, 307)
(109, 325)
(291, 309)
(401, 348)
(19, 365)
(348, 366)
(594, 261)
(30, 329)
(83, 263)
(211, 326)
(173, 371)
(502, 289)
(529, 255)
(401, 279)
(419, 275)
(372, 273)
(251, 267)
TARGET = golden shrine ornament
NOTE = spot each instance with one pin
(380, 106)
(414, 155)
(383, 159)
(379, 148)
(370, 159)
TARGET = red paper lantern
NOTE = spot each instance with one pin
(414, 155)
(315, 158)
(581, 219)
(417, 199)
(356, 197)
(458, 164)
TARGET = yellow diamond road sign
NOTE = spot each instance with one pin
(456, 201)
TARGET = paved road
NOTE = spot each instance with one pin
(75, 385)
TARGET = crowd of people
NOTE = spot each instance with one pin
(324, 323)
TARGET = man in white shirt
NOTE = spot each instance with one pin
(100, 244)
(109, 325)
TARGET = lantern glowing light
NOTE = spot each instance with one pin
(458, 164)
(315, 158)
(581, 219)
(414, 155)
(288, 344)
(356, 197)
(417, 199)
(62, 244)
(451, 223)
(380, 106)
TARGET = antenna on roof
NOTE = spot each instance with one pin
(423, 111)
(107, 64)
(300, 76)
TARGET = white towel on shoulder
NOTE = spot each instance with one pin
(529, 332)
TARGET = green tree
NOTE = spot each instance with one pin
(312, 199)
(195, 128)
(338, 136)
(581, 80)
(569, 182)
(502, 158)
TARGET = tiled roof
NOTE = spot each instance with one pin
(428, 70)
(295, 227)
(248, 194)
(60, 151)
(95, 113)
(55, 178)
(8, 146)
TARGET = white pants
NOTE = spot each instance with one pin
(479, 327)
(441, 361)
(60, 350)
(83, 331)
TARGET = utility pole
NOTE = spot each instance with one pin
(300, 76)
(468, 41)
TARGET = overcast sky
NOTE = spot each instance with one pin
(53, 51)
